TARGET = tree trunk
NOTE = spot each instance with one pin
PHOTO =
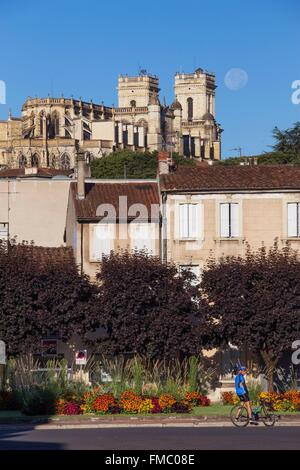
(270, 363)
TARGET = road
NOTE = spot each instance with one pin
(21, 438)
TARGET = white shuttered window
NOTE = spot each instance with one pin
(189, 221)
(229, 220)
(102, 240)
(293, 219)
(142, 237)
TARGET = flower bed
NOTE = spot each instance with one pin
(287, 401)
(129, 402)
(229, 398)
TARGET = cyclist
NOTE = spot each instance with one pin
(242, 392)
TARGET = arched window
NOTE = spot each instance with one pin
(133, 103)
(55, 121)
(65, 161)
(41, 123)
(53, 125)
(190, 108)
(53, 161)
(22, 161)
(35, 161)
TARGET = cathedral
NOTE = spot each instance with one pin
(49, 130)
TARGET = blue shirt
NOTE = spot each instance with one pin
(240, 384)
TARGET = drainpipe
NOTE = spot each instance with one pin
(81, 248)
(164, 240)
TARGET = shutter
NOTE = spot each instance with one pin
(183, 221)
(235, 228)
(102, 240)
(106, 240)
(224, 220)
(292, 219)
(147, 238)
(194, 231)
(96, 244)
(141, 237)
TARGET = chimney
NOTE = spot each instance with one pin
(81, 170)
(163, 162)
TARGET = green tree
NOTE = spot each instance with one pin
(286, 150)
(123, 163)
(287, 140)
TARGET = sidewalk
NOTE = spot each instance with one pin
(89, 422)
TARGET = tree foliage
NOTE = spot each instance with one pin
(40, 291)
(125, 163)
(285, 151)
(287, 140)
(251, 301)
(144, 307)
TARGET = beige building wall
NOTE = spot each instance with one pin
(79, 236)
(139, 89)
(262, 219)
(37, 209)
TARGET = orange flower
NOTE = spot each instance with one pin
(130, 402)
(166, 401)
(102, 402)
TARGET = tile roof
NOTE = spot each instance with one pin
(232, 178)
(145, 193)
(41, 173)
(45, 256)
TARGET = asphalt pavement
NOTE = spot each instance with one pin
(185, 438)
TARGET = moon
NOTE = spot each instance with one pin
(236, 79)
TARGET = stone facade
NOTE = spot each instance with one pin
(50, 129)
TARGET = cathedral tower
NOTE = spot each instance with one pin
(137, 91)
(196, 94)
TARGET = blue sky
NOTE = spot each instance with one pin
(79, 48)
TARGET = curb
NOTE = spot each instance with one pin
(111, 425)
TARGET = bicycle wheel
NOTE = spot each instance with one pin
(242, 413)
(268, 419)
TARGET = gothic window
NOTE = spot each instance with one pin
(53, 161)
(190, 108)
(65, 161)
(133, 103)
(89, 157)
(41, 121)
(55, 123)
(22, 161)
(35, 161)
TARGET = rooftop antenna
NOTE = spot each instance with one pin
(238, 149)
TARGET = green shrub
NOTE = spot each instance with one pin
(39, 401)
(137, 374)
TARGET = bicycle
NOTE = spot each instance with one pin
(240, 418)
